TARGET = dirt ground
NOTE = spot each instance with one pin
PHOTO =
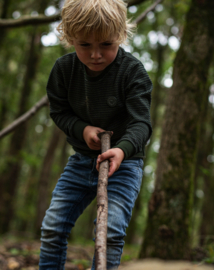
(20, 255)
(162, 265)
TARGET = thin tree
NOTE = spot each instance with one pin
(205, 171)
(44, 179)
(3, 15)
(10, 174)
(9, 177)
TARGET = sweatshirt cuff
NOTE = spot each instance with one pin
(127, 147)
(78, 128)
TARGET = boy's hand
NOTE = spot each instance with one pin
(91, 138)
(115, 157)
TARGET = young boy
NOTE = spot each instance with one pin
(99, 87)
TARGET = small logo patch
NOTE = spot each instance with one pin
(112, 101)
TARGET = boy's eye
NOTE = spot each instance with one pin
(107, 44)
(103, 44)
(84, 45)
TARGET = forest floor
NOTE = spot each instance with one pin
(24, 255)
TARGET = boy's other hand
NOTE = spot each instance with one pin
(91, 138)
(115, 157)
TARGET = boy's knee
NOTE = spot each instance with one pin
(115, 243)
(54, 238)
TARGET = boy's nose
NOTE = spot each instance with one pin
(96, 54)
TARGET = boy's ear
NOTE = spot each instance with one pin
(72, 42)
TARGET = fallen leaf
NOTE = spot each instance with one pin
(12, 264)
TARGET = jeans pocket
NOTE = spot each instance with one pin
(132, 173)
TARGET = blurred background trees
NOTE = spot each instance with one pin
(176, 51)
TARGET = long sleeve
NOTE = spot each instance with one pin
(138, 100)
(60, 109)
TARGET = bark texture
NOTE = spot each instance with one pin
(102, 205)
(167, 231)
(4, 13)
(206, 170)
(3, 103)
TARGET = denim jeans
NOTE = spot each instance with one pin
(74, 191)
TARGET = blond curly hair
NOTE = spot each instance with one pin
(101, 17)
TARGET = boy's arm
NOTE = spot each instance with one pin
(60, 109)
(63, 115)
(138, 100)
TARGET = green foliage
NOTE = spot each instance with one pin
(182, 6)
(210, 251)
(205, 171)
(14, 251)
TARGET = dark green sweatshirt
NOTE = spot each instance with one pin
(117, 100)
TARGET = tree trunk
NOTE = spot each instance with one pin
(9, 177)
(206, 228)
(3, 15)
(206, 168)
(3, 105)
(44, 180)
(167, 232)
(202, 172)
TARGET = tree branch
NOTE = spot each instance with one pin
(41, 103)
(42, 19)
(29, 20)
(134, 2)
(143, 15)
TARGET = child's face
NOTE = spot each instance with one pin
(96, 55)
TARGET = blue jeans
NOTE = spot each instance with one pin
(75, 190)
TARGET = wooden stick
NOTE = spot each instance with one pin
(102, 205)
